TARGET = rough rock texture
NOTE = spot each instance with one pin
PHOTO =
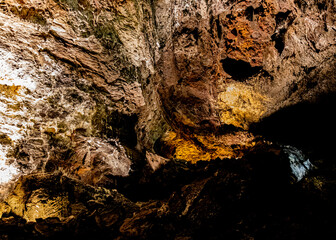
(137, 95)
(65, 83)
(55, 205)
(94, 160)
(228, 65)
(191, 77)
(252, 198)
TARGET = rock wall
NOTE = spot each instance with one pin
(127, 93)
(226, 66)
(190, 77)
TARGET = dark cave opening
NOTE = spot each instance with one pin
(279, 43)
(308, 125)
(249, 13)
(238, 69)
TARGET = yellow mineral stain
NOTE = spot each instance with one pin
(40, 205)
(83, 170)
(240, 105)
(185, 120)
(245, 41)
(5, 139)
(206, 147)
(10, 91)
(50, 130)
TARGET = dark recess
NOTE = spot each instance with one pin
(278, 37)
(219, 28)
(191, 32)
(113, 124)
(279, 41)
(281, 17)
(249, 13)
(123, 126)
(238, 69)
(307, 125)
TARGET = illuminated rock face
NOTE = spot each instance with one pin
(181, 79)
(196, 80)
(224, 67)
(41, 196)
(94, 160)
(50, 90)
(164, 100)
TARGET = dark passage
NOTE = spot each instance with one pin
(239, 70)
(307, 125)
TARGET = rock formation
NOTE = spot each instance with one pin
(167, 119)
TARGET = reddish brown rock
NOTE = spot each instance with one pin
(174, 81)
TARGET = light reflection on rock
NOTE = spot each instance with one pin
(7, 171)
(298, 162)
